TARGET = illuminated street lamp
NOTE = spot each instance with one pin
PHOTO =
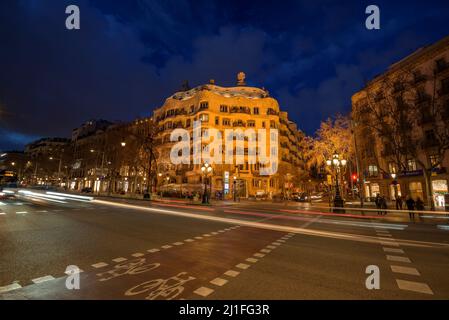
(206, 170)
(123, 143)
(336, 164)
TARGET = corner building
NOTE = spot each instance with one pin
(239, 107)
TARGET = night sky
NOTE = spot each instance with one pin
(130, 55)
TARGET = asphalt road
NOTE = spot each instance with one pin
(141, 250)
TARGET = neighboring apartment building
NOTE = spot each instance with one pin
(239, 107)
(418, 88)
(110, 158)
(48, 160)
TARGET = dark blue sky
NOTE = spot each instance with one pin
(130, 55)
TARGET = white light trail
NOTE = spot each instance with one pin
(260, 225)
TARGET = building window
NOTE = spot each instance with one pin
(411, 165)
(251, 123)
(263, 124)
(187, 123)
(372, 171)
(192, 109)
(223, 108)
(226, 122)
(204, 105)
(272, 183)
(217, 121)
(204, 117)
(256, 110)
(392, 168)
(434, 160)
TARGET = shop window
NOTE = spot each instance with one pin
(415, 189)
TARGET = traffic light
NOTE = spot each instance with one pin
(354, 177)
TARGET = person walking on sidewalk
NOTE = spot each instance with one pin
(419, 207)
(399, 203)
(377, 201)
(410, 203)
(383, 205)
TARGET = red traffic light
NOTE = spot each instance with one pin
(354, 176)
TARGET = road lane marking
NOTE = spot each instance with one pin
(20, 212)
(10, 287)
(166, 247)
(232, 273)
(259, 255)
(199, 238)
(137, 254)
(178, 243)
(120, 259)
(414, 286)
(405, 270)
(42, 211)
(2, 213)
(43, 279)
(219, 282)
(253, 260)
(394, 250)
(243, 266)
(398, 259)
(100, 265)
(203, 291)
(214, 233)
(153, 250)
(73, 271)
(189, 240)
(281, 241)
(271, 247)
(206, 235)
(394, 244)
(265, 251)
(276, 243)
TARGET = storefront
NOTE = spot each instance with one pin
(439, 188)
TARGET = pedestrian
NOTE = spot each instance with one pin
(399, 202)
(410, 203)
(419, 207)
(377, 202)
(383, 205)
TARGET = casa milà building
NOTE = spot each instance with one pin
(237, 107)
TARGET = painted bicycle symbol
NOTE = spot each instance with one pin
(131, 267)
(167, 289)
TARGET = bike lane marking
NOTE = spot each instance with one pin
(191, 264)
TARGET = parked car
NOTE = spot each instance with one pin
(301, 197)
(86, 190)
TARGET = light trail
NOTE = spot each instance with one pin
(268, 226)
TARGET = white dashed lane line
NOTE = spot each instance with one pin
(220, 281)
(43, 279)
(10, 287)
(120, 259)
(405, 270)
(138, 254)
(100, 265)
(414, 286)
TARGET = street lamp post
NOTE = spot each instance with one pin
(395, 187)
(206, 170)
(336, 163)
(234, 190)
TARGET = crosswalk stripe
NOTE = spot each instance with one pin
(414, 286)
(405, 270)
